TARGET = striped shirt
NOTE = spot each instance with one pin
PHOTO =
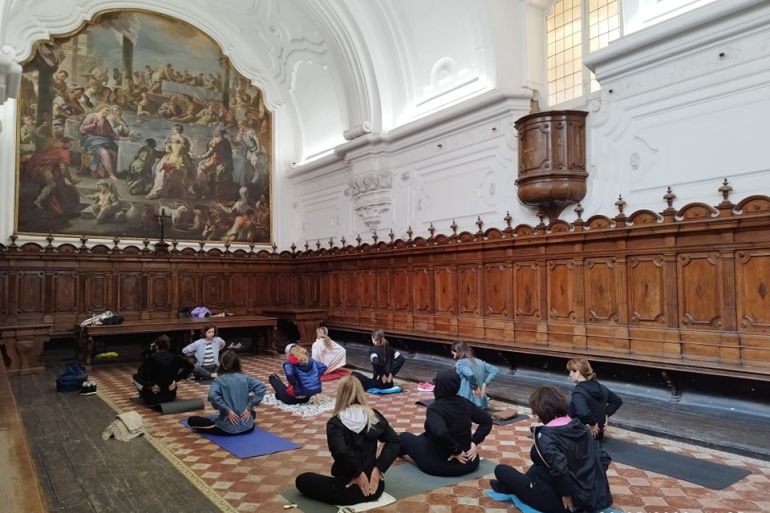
(208, 355)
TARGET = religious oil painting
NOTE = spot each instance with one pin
(134, 115)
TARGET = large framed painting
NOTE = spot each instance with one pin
(134, 115)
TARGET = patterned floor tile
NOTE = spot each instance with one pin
(255, 484)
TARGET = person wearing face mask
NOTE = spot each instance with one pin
(449, 446)
(353, 434)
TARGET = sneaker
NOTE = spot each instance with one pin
(425, 387)
(88, 388)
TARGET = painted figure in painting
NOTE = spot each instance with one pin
(153, 118)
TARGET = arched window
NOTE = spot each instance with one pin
(574, 29)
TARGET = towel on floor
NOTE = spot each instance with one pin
(504, 497)
(125, 427)
(392, 390)
(384, 500)
(317, 405)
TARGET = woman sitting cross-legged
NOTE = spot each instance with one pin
(569, 467)
(448, 447)
(386, 362)
(235, 394)
(158, 375)
(303, 374)
(327, 351)
(353, 434)
(475, 374)
(205, 350)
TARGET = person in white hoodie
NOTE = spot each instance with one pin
(327, 351)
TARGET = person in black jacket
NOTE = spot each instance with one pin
(386, 362)
(158, 375)
(353, 434)
(569, 470)
(448, 447)
(591, 401)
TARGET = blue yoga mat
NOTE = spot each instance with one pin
(257, 442)
(504, 497)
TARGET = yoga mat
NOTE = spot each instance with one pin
(705, 473)
(335, 374)
(401, 481)
(505, 422)
(257, 442)
(425, 402)
(177, 406)
(503, 497)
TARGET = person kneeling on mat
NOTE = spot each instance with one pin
(353, 434)
(569, 467)
(386, 362)
(235, 394)
(448, 447)
(158, 375)
(303, 374)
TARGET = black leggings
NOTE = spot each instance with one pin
(281, 392)
(150, 397)
(423, 452)
(534, 488)
(206, 425)
(332, 490)
(370, 382)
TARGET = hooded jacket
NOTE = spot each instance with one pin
(304, 378)
(448, 419)
(354, 453)
(382, 366)
(576, 464)
(163, 368)
(592, 403)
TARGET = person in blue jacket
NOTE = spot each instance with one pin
(475, 374)
(303, 375)
(235, 394)
(592, 403)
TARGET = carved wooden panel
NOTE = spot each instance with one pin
(422, 288)
(30, 290)
(753, 288)
(526, 286)
(324, 289)
(400, 288)
(129, 291)
(383, 289)
(699, 290)
(497, 282)
(561, 290)
(368, 289)
(334, 289)
(468, 289)
(284, 284)
(445, 279)
(263, 290)
(238, 293)
(213, 291)
(4, 299)
(343, 283)
(188, 290)
(308, 289)
(158, 291)
(97, 292)
(64, 292)
(601, 290)
(646, 290)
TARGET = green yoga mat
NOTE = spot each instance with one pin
(401, 481)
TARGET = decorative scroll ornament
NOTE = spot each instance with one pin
(371, 196)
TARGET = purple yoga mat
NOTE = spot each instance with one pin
(257, 442)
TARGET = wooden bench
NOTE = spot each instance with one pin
(23, 345)
(85, 335)
(19, 487)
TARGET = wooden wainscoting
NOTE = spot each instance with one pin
(685, 289)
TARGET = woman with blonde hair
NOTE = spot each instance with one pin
(327, 351)
(353, 434)
(303, 375)
(591, 402)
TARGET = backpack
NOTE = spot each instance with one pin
(72, 378)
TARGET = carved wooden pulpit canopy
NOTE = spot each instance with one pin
(552, 160)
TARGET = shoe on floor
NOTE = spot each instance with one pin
(88, 388)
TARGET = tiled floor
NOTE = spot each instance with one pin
(255, 484)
